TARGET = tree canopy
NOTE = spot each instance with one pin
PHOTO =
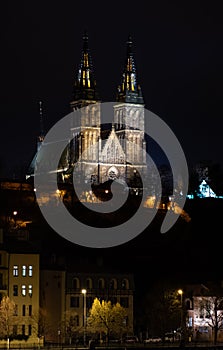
(106, 318)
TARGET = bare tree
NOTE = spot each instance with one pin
(41, 323)
(212, 309)
(70, 325)
(160, 312)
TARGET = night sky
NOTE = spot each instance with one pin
(179, 59)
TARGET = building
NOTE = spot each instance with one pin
(204, 312)
(19, 280)
(97, 153)
(63, 300)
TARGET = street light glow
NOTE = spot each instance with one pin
(83, 291)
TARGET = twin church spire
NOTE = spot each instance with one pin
(129, 91)
(85, 88)
(85, 83)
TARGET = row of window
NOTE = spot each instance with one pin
(101, 284)
(25, 270)
(24, 290)
(26, 310)
(23, 329)
(75, 301)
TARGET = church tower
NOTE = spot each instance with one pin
(86, 120)
(129, 118)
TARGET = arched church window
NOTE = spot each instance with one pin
(75, 283)
(125, 284)
(89, 283)
(101, 283)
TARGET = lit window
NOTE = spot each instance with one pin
(30, 290)
(24, 270)
(30, 270)
(190, 323)
(15, 271)
(23, 290)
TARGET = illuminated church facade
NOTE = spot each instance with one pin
(99, 154)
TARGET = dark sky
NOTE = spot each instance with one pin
(178, 53)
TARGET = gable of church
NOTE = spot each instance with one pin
(112, 152)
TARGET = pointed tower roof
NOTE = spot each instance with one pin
(129, 91)
(41, 135)
(85, 83)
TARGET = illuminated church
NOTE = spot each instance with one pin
(97, 153)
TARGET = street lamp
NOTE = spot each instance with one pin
(180, 292)
(14, 216)
(84, 292)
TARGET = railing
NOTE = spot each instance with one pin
(104, 291)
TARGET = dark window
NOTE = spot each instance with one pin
(74, 301)
(15, 290)
(30, 310)
(75, 283)
(112, 284)
(30, 329)
(100, 284)
(14, 329)
(23, 329)
(188, 305)
(124, 285)
(113, 300)
(15, 310)
(77, 320)
(89, 302)
(24, 310)
(0, 259)
(88, 283)
(124, 302)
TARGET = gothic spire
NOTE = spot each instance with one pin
(41, 134)
(129, 91)
(85, 83)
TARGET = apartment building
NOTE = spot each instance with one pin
(63, 299)
(19, 280)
